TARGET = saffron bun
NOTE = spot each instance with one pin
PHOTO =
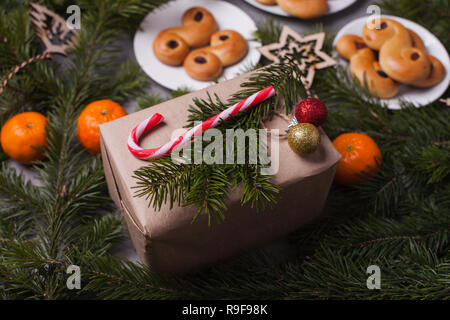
(436, 75)
(172, 45)
(437, 68)
(170, 48)
(399, 57)
(203, 65)
(227, 46)
(365, 67)
(402, 58)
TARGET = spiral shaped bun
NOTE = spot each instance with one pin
(170, 48)
(398, 56)
(416, 40)
(437, 68)
(305, 9)
(198, 26)
(172, 45)
(365, 67)
(349, 45)
(437, 73)
(227, 47)
(203, 65)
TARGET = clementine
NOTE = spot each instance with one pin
(23, 137)
(95, 114)
(360, 154)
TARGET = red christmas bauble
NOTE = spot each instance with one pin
(311, 110)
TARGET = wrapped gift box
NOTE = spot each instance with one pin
(167, 240)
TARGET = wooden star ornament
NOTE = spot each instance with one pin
(51, 29)
(306, 52)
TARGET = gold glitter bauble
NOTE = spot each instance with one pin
(303, 138)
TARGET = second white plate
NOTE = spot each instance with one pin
(434, 47)
(227, 16)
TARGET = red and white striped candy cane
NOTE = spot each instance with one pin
(212, 122)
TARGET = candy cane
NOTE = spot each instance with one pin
(212, 122)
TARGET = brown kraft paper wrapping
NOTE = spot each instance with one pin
(166, 240)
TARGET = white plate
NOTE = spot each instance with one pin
(227, 16)
(434, 47)
(335, 6)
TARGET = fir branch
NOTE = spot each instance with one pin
(26, 269)
(107, 274)
(209, 191)
(86, 193)
(150, 100)
(20, 202)
(100, 235)
(129, 13)
(204, 109)
(268, 31)
(435, 162)
(258, 190)
(163, 181)
(128, 81)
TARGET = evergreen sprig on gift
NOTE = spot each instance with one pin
(163, 181)
(399, 220)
